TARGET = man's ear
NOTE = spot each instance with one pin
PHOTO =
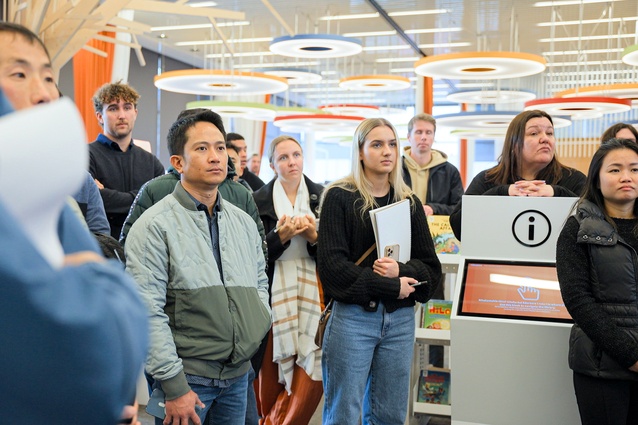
(100, 118)
(177, 161)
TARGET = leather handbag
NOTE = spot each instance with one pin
(327, 311)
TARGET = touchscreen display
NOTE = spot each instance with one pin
(514, 290)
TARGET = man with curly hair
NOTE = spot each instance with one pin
(118, 166)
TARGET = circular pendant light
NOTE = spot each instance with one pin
(630, 55)
(367, 111)
(489, 134)
(284, 111)
(320, 122)
(219, 82)
(489, 97)
(248, 110)
(493, 121)
(316, 46)
(375, 83)
(480, 65)
(621, 91)
(293, 75)
(579, 108)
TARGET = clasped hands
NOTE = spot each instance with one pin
(388, 267)
(536, 188)
(290, 226)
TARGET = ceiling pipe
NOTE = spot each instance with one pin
(396, 26)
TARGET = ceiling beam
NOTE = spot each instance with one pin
(396, 26)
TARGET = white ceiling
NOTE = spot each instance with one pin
(460, 26)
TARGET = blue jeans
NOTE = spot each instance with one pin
(367, 358)
(224, 406)
(252, 417)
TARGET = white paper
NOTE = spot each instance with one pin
(392, 227)
(43, 160)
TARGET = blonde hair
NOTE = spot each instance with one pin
(357, 180)
(277, 140)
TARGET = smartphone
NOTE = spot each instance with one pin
(419, 283)
(392, 251)
(156, 405)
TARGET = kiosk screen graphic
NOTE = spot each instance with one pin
(512, 290)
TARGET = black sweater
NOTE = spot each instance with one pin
(344, 236)
(122, 174)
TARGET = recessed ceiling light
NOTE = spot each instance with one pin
(569, 2)
(376, 15)
(369, 34)
(578, 52)
(394, 60)
(576, 63)
(209, 42)
(587, 21)
(419, 12)
(202, 4)
(198, 26)
(237, 55)
(587, 38)
(275, 64)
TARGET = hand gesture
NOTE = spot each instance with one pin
(309, 223)
(182, 409)
(536, 188)
(287, 228)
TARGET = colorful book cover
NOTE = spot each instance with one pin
(436, 314)
(442, 235)
(434, 386)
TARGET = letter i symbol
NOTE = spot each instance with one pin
(530, 229)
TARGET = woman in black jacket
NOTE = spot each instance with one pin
(288, 207)
(598, 275)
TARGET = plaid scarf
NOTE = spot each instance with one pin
(295, 299)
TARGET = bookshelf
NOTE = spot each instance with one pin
(449, 265)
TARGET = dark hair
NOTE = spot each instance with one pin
(508, 167)
(176, 137)
(592, 191)
(610, 133)
(230, 137)
(26, 33)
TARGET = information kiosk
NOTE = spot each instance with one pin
(510, 328)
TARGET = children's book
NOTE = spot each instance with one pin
(436, 314)
(442, 235)
(434, 386)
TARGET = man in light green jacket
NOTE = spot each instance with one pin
(199, 265)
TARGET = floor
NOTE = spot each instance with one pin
(146, 419)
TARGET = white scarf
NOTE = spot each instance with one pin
(295, 299)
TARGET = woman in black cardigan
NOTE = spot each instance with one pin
(369, 338)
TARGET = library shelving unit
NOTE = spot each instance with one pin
(449, 265)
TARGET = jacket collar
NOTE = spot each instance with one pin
(186, 200)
